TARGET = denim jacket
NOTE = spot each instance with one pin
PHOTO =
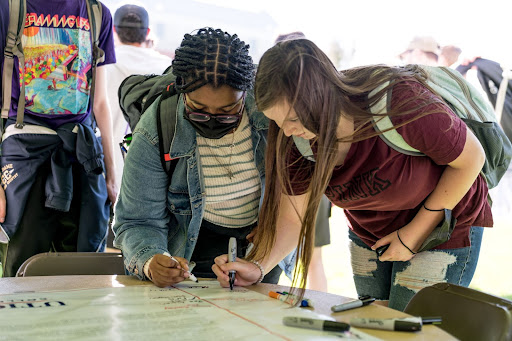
(154, 216)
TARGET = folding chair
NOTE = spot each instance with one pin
(467, 314)
(72, 263)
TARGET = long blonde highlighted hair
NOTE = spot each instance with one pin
(299, 73)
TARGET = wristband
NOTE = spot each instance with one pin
(400, 239)
(261, 269)
(428, 209)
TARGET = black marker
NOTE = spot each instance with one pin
(381, 249)
(406, 324)
(362, 301)
(232, 258)
(325, 325)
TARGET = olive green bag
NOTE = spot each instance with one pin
(441, 233)
(467, 314)
(468, 104)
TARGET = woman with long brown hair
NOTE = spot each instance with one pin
(390, 198)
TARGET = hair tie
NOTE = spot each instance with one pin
(428, 209)
(400, 239)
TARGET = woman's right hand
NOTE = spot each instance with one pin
(247, 273)
(164, 271)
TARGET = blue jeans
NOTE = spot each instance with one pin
(399, 281)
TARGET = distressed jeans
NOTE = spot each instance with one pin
(399, 281)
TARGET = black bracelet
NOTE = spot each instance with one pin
(428, 209)
(400, 239)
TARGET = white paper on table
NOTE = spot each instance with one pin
(187, 311)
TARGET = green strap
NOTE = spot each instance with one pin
(94, 12)
(13, 47)
(304, 147)
(383, 124)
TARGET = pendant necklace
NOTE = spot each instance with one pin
(228, 167)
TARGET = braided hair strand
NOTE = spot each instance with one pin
(212, 56)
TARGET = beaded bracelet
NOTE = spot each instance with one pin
(261, 269)
(400, 239)
(428, 209)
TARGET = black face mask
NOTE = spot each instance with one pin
(212, 129)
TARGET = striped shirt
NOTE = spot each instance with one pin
(230, 202)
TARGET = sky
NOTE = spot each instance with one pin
(378, 30)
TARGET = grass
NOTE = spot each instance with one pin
(493, 274)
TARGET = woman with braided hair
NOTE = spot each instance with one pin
(215, 189)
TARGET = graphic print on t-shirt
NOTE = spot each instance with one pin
(57, 71)
(362, 186)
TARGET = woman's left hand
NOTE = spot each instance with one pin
(247, 273)
(396, 251)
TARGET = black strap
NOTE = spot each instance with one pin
(166, 124)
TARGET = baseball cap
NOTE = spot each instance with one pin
(424, 43)
(122, 13)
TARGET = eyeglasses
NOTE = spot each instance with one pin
(203, 116)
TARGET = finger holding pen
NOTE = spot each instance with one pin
(184, 264)
(165, 270)
(247, 273)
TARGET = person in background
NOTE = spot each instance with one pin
(131, 26)
(449, 55)
(216, 187)
(58, 178)
(313, 105)
(318, 279)
(421, 50)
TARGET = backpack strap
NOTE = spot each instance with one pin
(383, 124)
(166, 124)
(95, 14)
(13, 47)
(304, 148)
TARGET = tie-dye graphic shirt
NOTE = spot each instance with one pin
(57, 71)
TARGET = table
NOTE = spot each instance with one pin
(322, 301)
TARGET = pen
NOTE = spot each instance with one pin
(191, 266)
(282, 297)
(303, 322)
(232, 258)
(380, 250)
(362, 301)
(408, 324)
(290, 299)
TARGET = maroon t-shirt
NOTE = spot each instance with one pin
(381, 189)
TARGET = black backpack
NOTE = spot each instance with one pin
(137, 92)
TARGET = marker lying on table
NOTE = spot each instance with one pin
(325, 325)
(290, 299)
(406, 324)
(191, 276)
(362, 301)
